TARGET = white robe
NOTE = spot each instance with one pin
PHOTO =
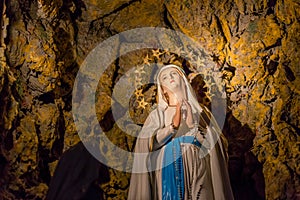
(204, 177)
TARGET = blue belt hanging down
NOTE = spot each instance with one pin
(172, 172)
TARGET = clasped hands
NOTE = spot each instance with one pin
(183, 108)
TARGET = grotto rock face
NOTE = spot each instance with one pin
(254, 45)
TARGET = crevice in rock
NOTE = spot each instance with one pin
(108, 121)
(115, 11)
(58, 145)
(271, 6)
(288, 72)
(271, 100)
(287, 117)
(169, 19)
(73, 16)
(166, 16)
(219, 25)
(6, 135)
(270, 65)
(42, 158)
(25, 7)
(47, 98)
(8, 140)
(65, 88)
(3, 170)
(171, 23)
(277, 43)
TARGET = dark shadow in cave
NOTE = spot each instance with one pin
(247, 179)
(77, 176)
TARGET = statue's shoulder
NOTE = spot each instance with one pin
(156, 111)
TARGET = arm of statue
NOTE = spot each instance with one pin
(163, 135)
(189, 117)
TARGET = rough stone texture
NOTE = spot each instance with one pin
(253, 43)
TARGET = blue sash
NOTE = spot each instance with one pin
(172, 172)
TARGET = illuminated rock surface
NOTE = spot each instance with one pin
(254, 43)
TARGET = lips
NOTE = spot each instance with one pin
(172, 81)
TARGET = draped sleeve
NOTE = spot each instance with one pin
(140, 182)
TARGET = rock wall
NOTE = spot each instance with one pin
(254, 43)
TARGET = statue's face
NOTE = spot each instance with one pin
(170, 79)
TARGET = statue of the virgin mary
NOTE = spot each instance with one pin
(180, 152)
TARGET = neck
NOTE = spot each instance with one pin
(176, 97)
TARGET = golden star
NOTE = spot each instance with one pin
(190, 55)
(172, 58)
(167, 51)
(156, 53)
(178, 50)
(139, 93)
(199, 63)
(138, 81)
(140, 70)
(146, 60)
(142, 103)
